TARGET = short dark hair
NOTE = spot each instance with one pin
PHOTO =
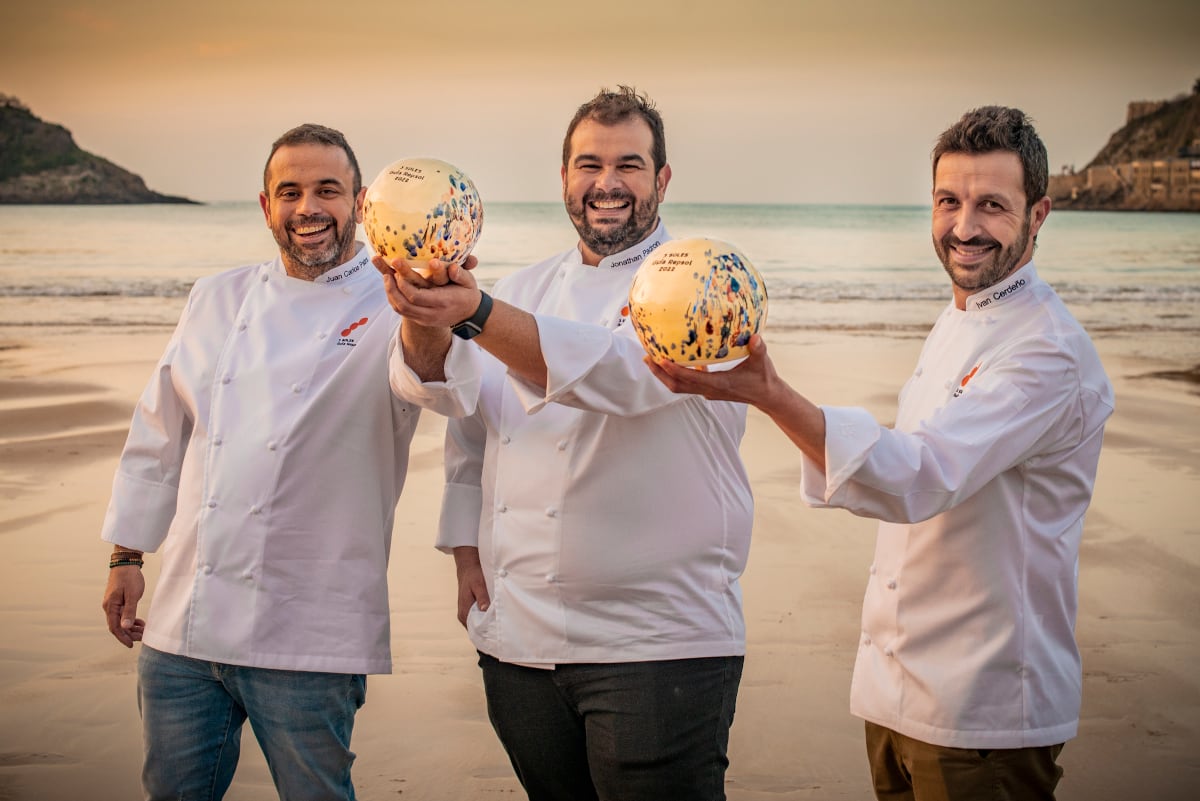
(610, 108)
(312, 134)
(992, 128)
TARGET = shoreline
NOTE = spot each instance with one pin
(68, 688)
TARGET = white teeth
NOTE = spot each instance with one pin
(609, 204)
(304, 230)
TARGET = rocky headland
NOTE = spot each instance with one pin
(1150, 164)
(41, 164)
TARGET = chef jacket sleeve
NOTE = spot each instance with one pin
(593, 368)
(146, 484)
(1025, 400)
(454, 397)
(462, 498)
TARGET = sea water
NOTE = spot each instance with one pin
(840, 268)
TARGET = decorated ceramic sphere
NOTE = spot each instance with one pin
(422, 209)
(697, 301)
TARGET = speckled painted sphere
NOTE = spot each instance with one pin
(697, 301)
(422, 209)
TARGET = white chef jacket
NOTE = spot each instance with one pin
(969, 617)
(612, 516)
(266, 456)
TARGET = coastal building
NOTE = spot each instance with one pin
(1160, 168)
(1158, 185)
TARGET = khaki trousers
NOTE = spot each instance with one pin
(904, 769)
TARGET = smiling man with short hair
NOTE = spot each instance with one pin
(266, 457)
(599, 523)
(968, 675)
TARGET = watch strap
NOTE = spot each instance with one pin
(473, 325)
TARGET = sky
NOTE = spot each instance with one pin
(765, 101)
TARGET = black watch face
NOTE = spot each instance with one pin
(466, 330)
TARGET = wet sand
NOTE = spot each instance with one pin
(67, 688)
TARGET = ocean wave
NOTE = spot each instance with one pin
(95, 289)
(779, 288)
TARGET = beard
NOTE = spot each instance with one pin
(609, 239)
(310, 263)
(1001, 264)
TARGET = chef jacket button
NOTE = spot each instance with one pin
(212, 504)
(918, 371)
(892, 584)
(551, 512)
(322, 335)
(562, 444)
(505, 439)
(263, 277)
(345, 290)
(888, 652)
(241, 326)
(501, 508)
(866, 640)
(295, 389)
(873, 570)
(208, 570)
(501, 572)
(254, 510)
(217, 440)
(249, 577)
(226, 380)
(551, 578)
(271, 446)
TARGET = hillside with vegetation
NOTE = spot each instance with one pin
(1169, 132)
(41, 164)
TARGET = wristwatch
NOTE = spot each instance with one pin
(473, 325)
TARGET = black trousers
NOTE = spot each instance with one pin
(631, 731)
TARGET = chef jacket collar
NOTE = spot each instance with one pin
(1003, 292)
(632, 257)
(349, 272)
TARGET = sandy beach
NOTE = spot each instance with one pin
(71, 728)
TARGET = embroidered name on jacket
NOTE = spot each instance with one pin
(1001, 294)
(330, 277)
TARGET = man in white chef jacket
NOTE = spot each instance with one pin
(265, 458)
(599, 523)
(968, 675)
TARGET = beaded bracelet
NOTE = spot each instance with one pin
(119, 558)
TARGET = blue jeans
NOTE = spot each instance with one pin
(632, 731)
(192, 715)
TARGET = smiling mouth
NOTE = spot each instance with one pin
(310, 230)
(971, 252)
(607, 206)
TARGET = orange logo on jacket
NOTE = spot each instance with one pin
(347, 331)
(963, 384)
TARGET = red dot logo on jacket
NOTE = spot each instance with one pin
(347, 331)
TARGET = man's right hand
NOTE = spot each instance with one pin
(472, 589)
(126, 584)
